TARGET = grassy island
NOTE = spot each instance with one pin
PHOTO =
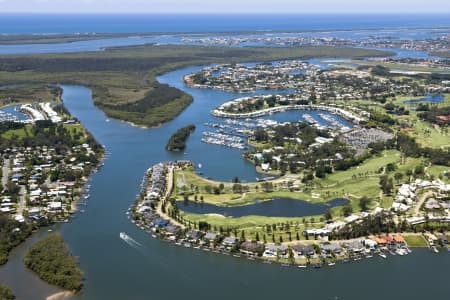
(51, 260)
(124, 81)
(177, 141)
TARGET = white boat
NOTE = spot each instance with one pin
(331, 264)
(199, 166)
(434, 249)
(123, 236)
(382, 255)
(399, 252)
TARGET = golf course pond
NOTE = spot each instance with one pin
(278, 207)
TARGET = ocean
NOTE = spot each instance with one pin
(114, 23)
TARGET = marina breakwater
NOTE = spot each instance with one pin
(349, 116)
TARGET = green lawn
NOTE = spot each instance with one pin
(415, 240)
(256, 225)
(369, 167)
(23, 132)
(437, 170)
(351, 184)
(429, 136)
(19, 133)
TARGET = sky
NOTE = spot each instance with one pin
(225, 6)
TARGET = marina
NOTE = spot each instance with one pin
(164, 265)
(86, 239)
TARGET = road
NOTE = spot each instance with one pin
(22, 202)
(5, 172)
(421, 201)
(165, 197)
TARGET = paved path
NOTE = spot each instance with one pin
(165, 197)
(21, 200)
(421, 201)
(5, 172)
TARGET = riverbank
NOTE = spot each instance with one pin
(124, 79)
(159, 216)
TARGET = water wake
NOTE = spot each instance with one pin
(129, 240)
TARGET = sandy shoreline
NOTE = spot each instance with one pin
(61, 296)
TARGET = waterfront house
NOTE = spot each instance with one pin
(354, 246)
(160, 222)
(150, 216)
(273, 250)
(332, 248)
(251, 248)
(54, 206)
(210, 236)
(303, 250)
(399, 240)
(193, 235)
(229, 241)
(172, 230)
(370, 243)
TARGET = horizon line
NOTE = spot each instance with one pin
(222, 13)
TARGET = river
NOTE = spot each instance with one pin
(153, 269)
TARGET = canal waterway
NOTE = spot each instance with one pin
(153, 269)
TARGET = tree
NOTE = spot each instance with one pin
(364, 203)
(5, 293)
(386, 184)
(328, 215)
(51, 260)
(390, 167)
(347, 210)
(237, 188)
(398, 176)
(260, 134)
(216, 190)
(419, 170)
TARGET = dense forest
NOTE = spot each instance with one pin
(177, 141)
(51, 260)
(123, 80)
(160, 104)
(12, 233)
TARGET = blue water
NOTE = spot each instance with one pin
(281, 207)
(73, 23)
(358, 27)
(14, 110)
(156, 270)
(430, 98)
